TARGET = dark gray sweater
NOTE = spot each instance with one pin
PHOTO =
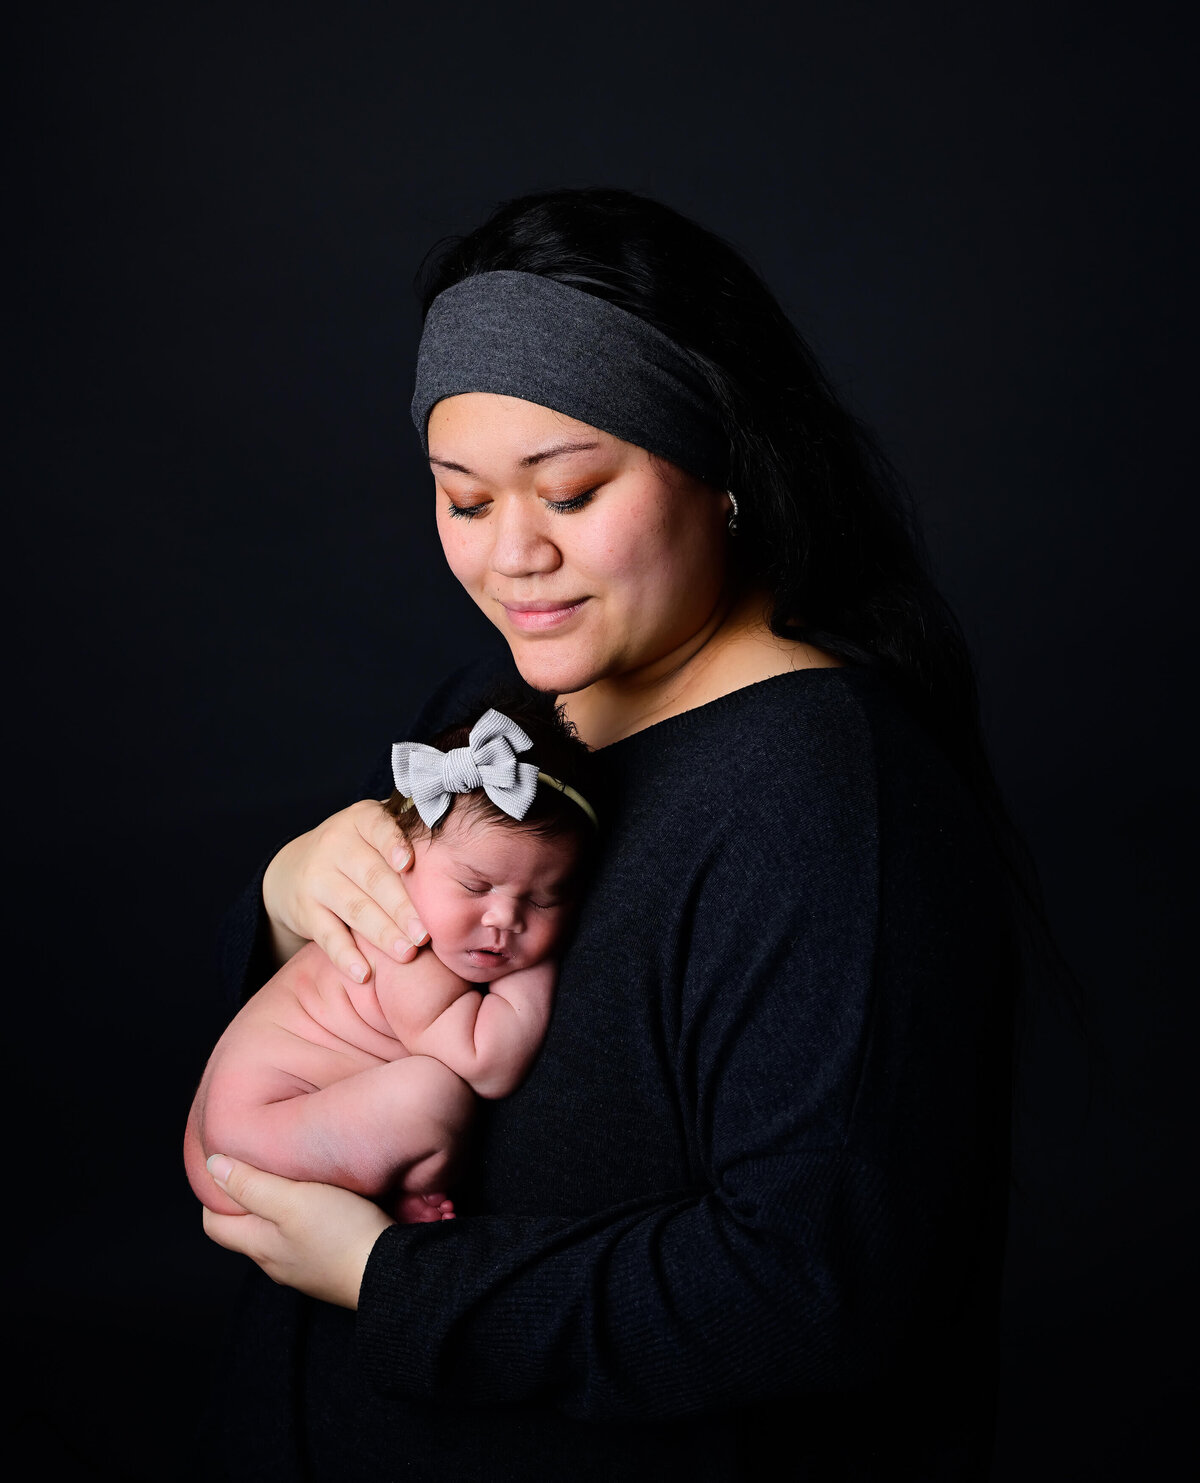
(751, 1195)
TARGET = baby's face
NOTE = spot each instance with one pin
(492, 899)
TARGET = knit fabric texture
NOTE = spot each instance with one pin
(526, 336)
(751, 1195)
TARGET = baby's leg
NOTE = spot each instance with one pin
(197, 1148)
(399, 1123)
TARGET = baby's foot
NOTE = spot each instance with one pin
(417, 1209)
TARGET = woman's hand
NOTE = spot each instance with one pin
(344, 873)
(313, 1237)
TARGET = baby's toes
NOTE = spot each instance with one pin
(418, 1209)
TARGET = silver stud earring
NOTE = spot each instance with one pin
(733, 514)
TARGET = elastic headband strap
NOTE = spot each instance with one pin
(573, 794)
(564, 788)
(522, 335)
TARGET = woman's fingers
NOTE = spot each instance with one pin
(378, 869)
(379, 829)
(332, 934)
(369, 881)
(369, 896)
(385, 883)
(333, 937)
(345, 874)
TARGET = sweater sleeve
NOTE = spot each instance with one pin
(828, 1185)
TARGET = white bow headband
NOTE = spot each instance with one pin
(489, 761)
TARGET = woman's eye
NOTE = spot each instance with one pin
(576, 502)
(559, 506)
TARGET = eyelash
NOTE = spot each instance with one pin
(560, 507)
(576, 502)
(483, 890)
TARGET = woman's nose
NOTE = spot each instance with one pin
(521, 545)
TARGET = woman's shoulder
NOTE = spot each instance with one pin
(783, 722)
(838, 755)
(792, 750)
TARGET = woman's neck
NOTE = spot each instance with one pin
(735, 648)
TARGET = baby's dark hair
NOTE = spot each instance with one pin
(556, 751)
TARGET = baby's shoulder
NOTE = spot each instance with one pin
(412, 995)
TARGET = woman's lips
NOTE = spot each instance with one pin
(540, 617)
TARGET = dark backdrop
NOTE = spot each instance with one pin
(228, 593)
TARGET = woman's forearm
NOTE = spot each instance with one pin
(795, 1279)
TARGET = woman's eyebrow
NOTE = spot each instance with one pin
(556, 450)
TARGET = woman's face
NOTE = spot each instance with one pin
(593, 559)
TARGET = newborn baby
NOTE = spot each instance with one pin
(372, 1086)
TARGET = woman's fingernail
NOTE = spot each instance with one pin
(400, 858)
(219, 1167)
(416, 932)
(401, 946)
(358, 973)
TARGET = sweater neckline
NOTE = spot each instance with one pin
(694, 715)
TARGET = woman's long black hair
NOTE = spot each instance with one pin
(825, 526)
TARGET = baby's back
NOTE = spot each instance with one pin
(310, 1025)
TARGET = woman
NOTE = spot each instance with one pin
(751, 1195)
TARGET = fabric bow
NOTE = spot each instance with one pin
(488, 761)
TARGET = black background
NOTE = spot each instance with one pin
(228, 594)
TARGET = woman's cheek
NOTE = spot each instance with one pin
(620, 544)
(648, 579)
(467, 565)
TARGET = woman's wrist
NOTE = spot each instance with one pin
(285, 942)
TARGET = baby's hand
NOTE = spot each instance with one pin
(344, 873)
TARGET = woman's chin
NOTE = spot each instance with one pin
(557, 674)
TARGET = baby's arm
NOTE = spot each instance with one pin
(491, 1039)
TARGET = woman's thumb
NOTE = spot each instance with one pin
(241, 1182)
(220, 1166)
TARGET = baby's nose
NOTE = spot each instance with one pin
(504, 915)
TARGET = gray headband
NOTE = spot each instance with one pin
(522, 335)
